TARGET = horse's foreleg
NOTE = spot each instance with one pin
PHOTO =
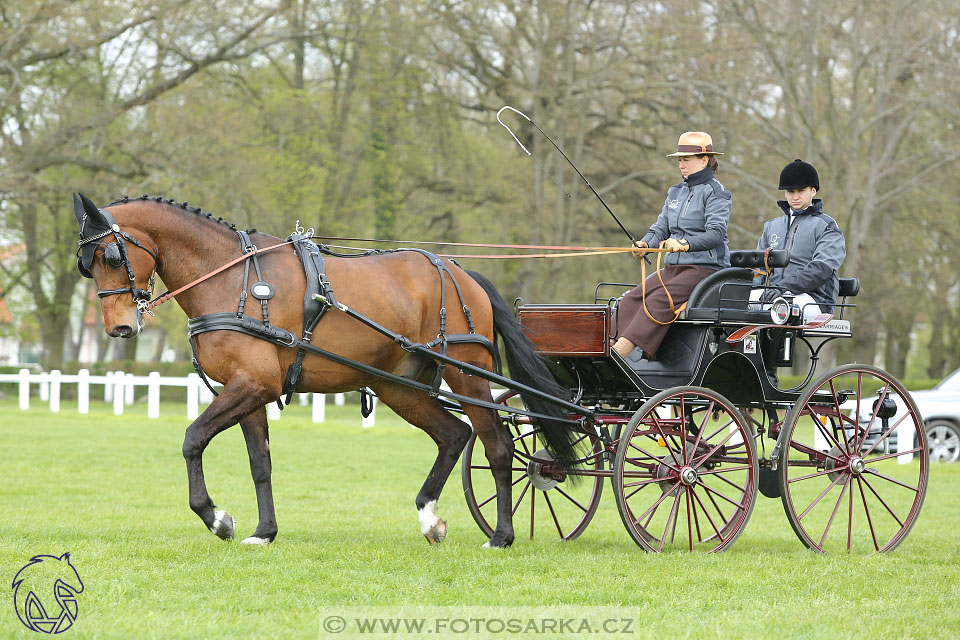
(238, 399)
(450, 436)
(257, 436)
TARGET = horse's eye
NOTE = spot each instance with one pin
(111, 255)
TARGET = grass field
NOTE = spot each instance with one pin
(113, 492)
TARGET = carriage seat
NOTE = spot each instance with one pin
(849, 287)
(725, 294)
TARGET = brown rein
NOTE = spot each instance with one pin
(170, 294)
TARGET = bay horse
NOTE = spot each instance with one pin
(123, 245)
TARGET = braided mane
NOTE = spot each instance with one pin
(180, 205)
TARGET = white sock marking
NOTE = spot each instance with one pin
(428, 517)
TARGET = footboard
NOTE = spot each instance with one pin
(567, 329)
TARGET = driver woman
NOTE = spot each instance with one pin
(693, 227)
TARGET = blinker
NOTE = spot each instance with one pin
(111, 255)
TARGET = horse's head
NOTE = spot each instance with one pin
(122, 266)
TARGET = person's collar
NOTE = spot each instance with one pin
(703, 176)
(815, 207)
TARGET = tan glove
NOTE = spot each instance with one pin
(639, 251)
(673, 245)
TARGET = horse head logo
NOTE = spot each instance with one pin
(45, 593)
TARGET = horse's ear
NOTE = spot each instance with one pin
(83, 206)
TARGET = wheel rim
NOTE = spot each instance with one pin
(943, 442)
(685, 476)
(845, 481)
(563, 511)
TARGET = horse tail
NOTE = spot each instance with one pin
(528, 368)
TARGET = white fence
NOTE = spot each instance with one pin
(119, 387)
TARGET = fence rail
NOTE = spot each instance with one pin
(119, 388)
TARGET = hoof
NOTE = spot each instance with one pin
(495, 544)
(223, 525)
(437, 532)
(256, 540)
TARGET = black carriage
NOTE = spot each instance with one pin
(689, 440)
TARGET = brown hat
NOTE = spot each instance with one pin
(695, 143)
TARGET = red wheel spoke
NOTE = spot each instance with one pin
(553, 513)
(709, 453)
(671, 520)
(638, 489)
(714, 472)
(656, 423)
(648, 456)
(516, 505)
(882, 501)
(813, 475)
(696, 519)
(874, 472)
(482, 466)
(733, 484)
(820, 497)
(836, 507)
(836, 406)
(487, 500)
(866, 509)
(718, 494)
(873, 416)
(896, 454)
(707, 514)
(703, 424)
(568, 497)
(656, 504)
(850, 522)
(533, 503)
(689, 523)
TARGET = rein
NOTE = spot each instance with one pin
(643, 274)
(170, 294)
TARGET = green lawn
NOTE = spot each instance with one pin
(113, 492)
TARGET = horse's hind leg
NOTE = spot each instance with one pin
(239, 398)
(257, 436)
(498, 446)
(450, 435)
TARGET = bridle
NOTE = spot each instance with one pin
(115, 255)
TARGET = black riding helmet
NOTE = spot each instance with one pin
(799, 175)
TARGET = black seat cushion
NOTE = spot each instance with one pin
(849, 287)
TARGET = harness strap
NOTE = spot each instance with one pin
(170, 294)
(250, 326)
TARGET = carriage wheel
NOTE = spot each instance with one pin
(853, 462)
(540, 505)
(686, 472)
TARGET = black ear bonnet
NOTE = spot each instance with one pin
(94, 224)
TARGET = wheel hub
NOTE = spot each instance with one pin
(857, 466)
(542, 472)
(668, 477)
(688, 476)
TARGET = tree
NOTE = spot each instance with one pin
(68, 112)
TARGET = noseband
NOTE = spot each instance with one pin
(115, 256)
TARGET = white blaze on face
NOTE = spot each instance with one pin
(428, 517)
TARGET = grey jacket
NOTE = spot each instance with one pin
(696, 210)
(817, 249)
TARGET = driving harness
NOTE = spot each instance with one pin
(319, 298)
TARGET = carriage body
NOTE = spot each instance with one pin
(689, 441)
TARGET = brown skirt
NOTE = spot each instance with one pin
(632, 323)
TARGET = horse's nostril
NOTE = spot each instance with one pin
(122, 331)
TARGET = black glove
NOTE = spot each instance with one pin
(769, 295)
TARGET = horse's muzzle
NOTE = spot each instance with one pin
(122, 331)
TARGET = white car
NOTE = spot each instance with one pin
(940, 410)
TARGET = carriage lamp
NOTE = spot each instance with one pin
(780, 311)
(885, 408)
